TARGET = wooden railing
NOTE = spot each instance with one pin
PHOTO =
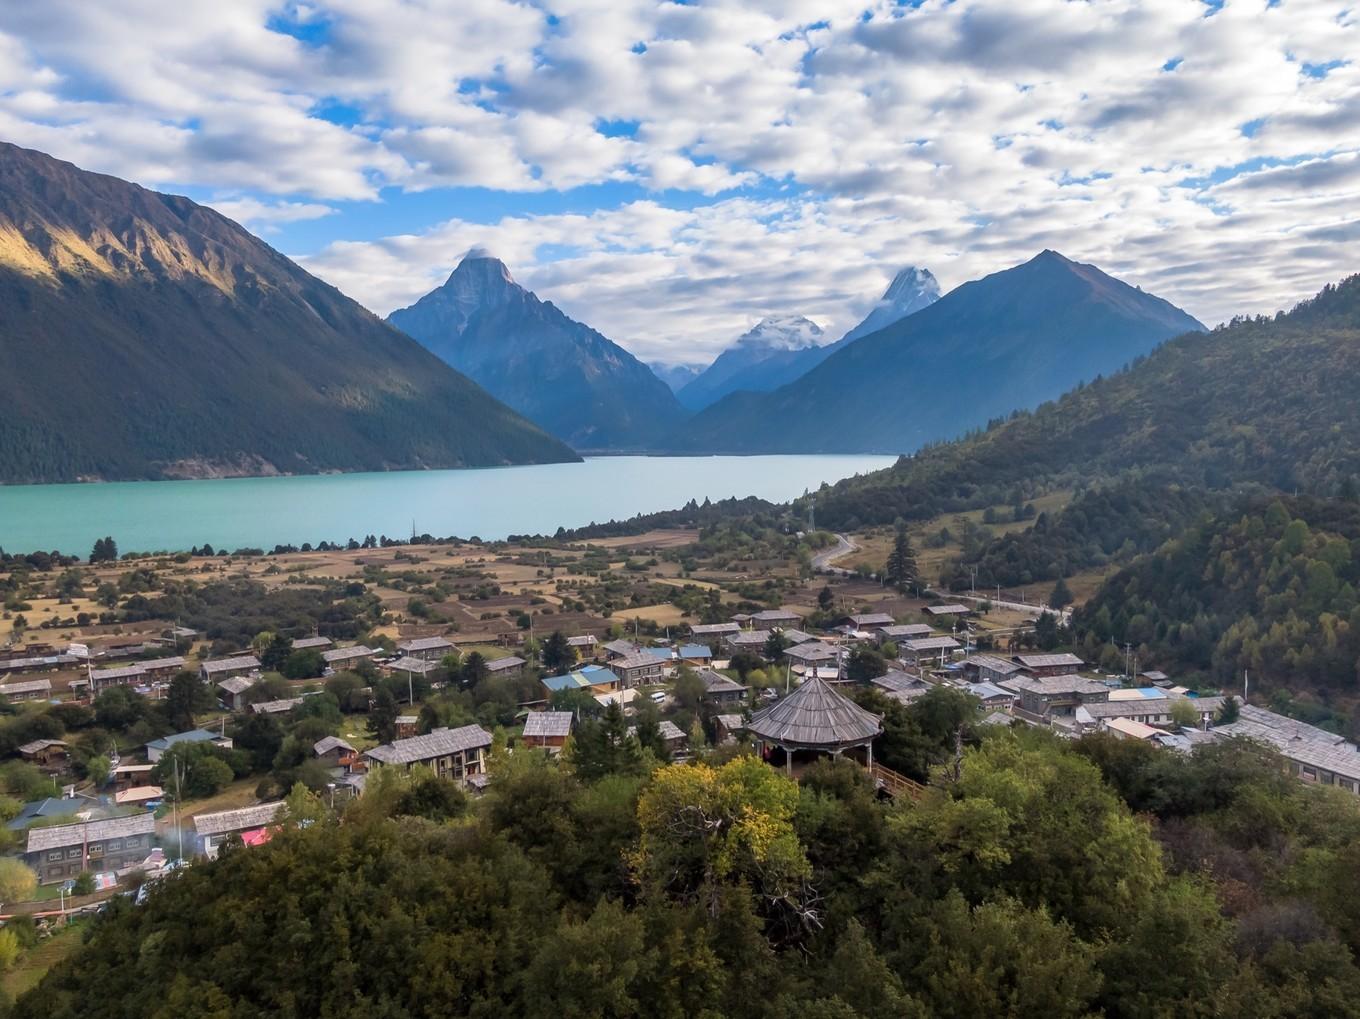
(895, 784)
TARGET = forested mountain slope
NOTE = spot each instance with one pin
(145, 336)
(1267, 400)
(1269, 587)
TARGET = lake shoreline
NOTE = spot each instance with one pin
(489, 503)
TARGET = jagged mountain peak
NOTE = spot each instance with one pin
(558, 372)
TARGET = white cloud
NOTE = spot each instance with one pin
(1206, 154)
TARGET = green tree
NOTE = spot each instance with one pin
(826, 600)
(17, 882)
(558, 655)
(1061, 596)
(1184, 713)
(382, 719)
(900, 570)
(105, 551)
(186, 695)
(473, 670)
(602, 746)
(275, 652)
(864, 664)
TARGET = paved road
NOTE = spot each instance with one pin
(822, 561)
(1065, 616)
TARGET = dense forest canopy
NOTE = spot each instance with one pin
(1269, 587)
(1045, 879)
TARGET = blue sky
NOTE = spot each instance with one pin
(670, 172)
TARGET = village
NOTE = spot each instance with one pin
(450, 657)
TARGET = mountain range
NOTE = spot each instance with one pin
(1267, 402)
(559, 373)
(780, 349)
(989, 347)
(145, 336)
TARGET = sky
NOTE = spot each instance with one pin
(672, 172)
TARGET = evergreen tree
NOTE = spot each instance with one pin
(558, 655)
(382, 720)
(825, 599)
(900, 570)
(1061, 596)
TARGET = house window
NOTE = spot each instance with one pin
(55, 854)
(115, 845)
(73, 853)
(97, 849)
(1310, 773)
(133, 841)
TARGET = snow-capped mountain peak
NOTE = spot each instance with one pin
(782, 332)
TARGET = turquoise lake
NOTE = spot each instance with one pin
(264, 512)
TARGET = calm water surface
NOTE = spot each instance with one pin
(264, 512)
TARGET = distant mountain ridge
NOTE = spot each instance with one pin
(145, 336)
(1269, 402)
(1008, 341)
(676, 376)
(762, 358)
(561, 374)
(780, 349)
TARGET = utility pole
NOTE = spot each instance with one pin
(973, 570)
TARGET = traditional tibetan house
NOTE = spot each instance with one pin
(510, 667)
(347, 657)
(639, 669)
(812, 721)
(430, 649)
(232, 692)
(26, 690)
(747, 640)
(1047, 666)
(312, 643)
(46, 753)
(953, 610)
(898, 686)
(547, 729)
(728, 728)
(458, 754)
(216, 828)
(870, 620)
(718, 689)
(776, 617)
(708, 631)
(905, 631)
(62, 851)
(333, 750)
(224, 668)
(927, 650)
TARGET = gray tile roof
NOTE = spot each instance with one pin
(231, 664)
(416, 665)
(1298, 741)
(347, 654)
(546, 724)
(222, 822)
(62, 835)
(907, 631)
(707, 629)
(931, 644)
(636, 661)
(1049, 661)
(237, 684)
(328, 743)
(26, 686)
(815, 715)
(505, 664)
(303, 643)
(424, 644)
(440, 743)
